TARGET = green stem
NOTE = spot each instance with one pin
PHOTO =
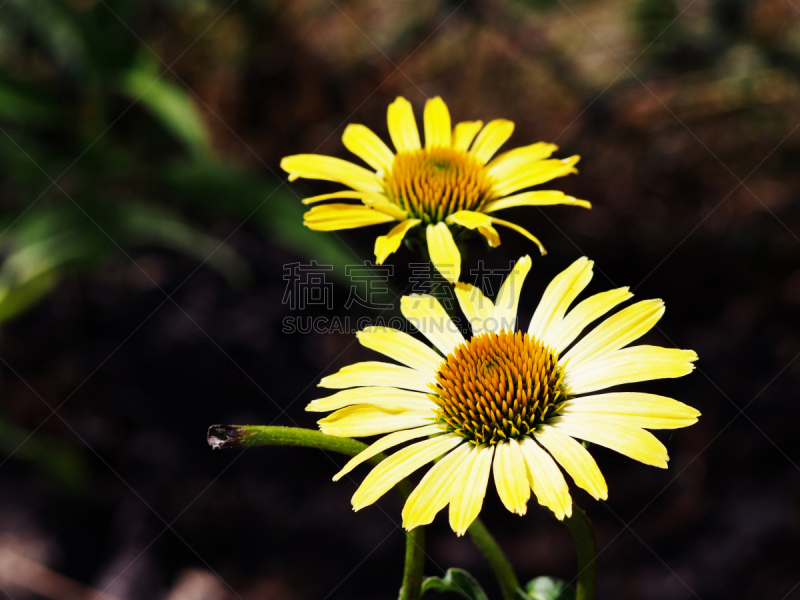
(497, 559)
(581, 528)
(245, 436)
(415, 561)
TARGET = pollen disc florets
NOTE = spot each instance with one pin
(432, 184)
(498, 386)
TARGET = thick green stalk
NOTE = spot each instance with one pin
(497, 559)
(415, 561)
(242, 436)
(581, 528)
(245, 436)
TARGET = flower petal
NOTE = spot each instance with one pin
(507, 301)
(629, 365)
(521, 230)
(617, 331)
(401, 347)
(575, 459)
(491, 235)
(633, 408)
(476, 307)
(381, 204)
(402, 126)
(374, 373)
(557, 297)
(491, 137)
(435, 490)
(401, 464)
(363, 420)
(388, 244)
(385, 397)
(633, 442)
(437, 124)
(443, 251)
(538, 198)
(464, 133)
(363, 142)
(345, 194)
(331, 217)
(587, 311)
(539, 172)
(511, 477)
(546, 479)
(470, 489)
(509, 162)
(469, 219)
(476, 220)
(429, 318)
(328, 168)
(386, 442)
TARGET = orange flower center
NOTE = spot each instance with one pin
(432, 184)
(498, 386)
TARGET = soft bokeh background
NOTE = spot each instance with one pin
(145, 226)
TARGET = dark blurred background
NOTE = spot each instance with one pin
(145, 227)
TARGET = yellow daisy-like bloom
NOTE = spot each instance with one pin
(506, 403)
(452, 181)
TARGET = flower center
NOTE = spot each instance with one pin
(432, 184)
(498, 386)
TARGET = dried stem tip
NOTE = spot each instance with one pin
(226, 436)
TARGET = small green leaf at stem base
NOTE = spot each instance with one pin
(457, 581)
(548, 588)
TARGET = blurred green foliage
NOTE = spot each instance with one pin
(168, 103)
(60, 463)
(103, 151)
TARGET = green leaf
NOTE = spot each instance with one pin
(457, 581)
(217, 188)
(60, 462)
(548, 588)
(169, 102)
(54, 25)
(24, 107)
(35, 267)
(16, 299)
(143, 224)
(52, 242)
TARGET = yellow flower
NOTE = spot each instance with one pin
(452, 181)
(506, 402)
